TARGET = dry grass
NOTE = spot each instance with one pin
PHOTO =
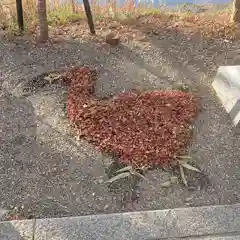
(7, 15)
(209, 23)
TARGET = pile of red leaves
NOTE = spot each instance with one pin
(143, 129)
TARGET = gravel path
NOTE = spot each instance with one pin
(44, 172)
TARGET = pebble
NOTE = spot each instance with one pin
(192, 188)
(100, 181)
(188, 199)
(106, 207)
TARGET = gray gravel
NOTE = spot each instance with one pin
(45, 171)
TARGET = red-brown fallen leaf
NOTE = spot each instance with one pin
(14, 217)
(144, 129)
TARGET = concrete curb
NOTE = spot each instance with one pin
(208, 222)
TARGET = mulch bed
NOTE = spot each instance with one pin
(144, 129)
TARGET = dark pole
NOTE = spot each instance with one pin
(89, 16)
(20, 14)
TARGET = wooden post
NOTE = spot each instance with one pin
(74, 6)
(43, 23)
(89, 16)
(236, 11)
(20, 14)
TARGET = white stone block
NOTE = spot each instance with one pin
(227, 86)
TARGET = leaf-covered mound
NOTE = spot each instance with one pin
(143, 129)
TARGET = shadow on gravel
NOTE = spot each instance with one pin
(38, 180)
(187, 53)
(9, 231)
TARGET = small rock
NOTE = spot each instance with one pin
(166, 184)
(192, 188)
(106, 207)
(188, 199)
(141, 39)
(174, 180)
(155, 32)
(112, 39)
(100, 181)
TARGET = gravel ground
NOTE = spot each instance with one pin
(45, 172)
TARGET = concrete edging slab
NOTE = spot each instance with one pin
(227, 87)
(189, 223)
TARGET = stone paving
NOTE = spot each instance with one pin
(203, 223)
